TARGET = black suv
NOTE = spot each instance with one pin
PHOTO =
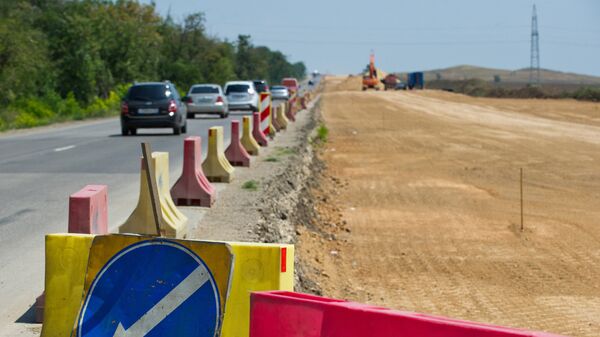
(153, 105)
(261, 86)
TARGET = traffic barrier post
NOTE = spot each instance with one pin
(248, 141)
(280, 116)
(265, 107)
(289, 110)
(88, 214)
(88, 210)
(141, 220)
(257, 133)
(193, 188)
(236, 153)
(216, 167)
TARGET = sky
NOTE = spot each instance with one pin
(337, 36)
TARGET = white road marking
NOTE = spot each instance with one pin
(65, 148)
(164, 307)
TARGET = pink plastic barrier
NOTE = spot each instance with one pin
(88, 210)
(290, 112)
(88, 214)
(192, 188)
(288, 314)
(256, 131)
(235, 153)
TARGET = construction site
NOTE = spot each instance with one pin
(404, 194)
(419, 206)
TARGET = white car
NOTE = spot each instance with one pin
(279, 92)
(241, 95)
(206, 99)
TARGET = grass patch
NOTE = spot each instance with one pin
(250, 185)
(322, 133)
(280, 152)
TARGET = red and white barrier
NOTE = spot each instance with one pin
(288, 314)
(88, 210)
(265, 110)
(257, 132)
(235, 153)
(192, 188)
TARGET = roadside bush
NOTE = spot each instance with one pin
(26, 120)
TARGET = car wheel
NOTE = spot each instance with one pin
(177, 130)
(133, 131)
(184, 128)
(191, 115)
(124, 131)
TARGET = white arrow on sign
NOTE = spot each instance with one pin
(164, 307)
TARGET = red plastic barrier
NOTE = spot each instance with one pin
(192, 188)
(88, 214)
(235, 153)
(88, 210)
(289, 110)
(287, 314)
(256, 131)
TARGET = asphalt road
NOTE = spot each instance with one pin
(40, 168)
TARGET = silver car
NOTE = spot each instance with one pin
(279, 92)
(206, 99)
(241, 95)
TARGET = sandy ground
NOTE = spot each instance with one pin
(418, 208)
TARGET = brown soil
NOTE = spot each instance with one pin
(418, 207)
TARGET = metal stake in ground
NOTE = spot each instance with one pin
(147, 153)
(521, 199)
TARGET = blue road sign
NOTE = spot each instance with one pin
(152, 288)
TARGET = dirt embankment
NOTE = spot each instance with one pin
(417, 207)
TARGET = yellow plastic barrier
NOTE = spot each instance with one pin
(141, 221)
(216, 167)
(248, 141)
(280, 116)
(66, 263)
(257, 267)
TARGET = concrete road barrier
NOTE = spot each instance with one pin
(193, 188)
(257, 133)
(236, 153)
(216, 167)
(141, 221)
(287, 314)
(76, 263)
(248, 141)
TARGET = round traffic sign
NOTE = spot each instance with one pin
(152, 288)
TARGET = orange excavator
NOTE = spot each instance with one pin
(371, 78)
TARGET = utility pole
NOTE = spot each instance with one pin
(534, 68)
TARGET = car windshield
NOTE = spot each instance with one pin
(278, 87)
(205, 90)
(237, 88)
(149, 92)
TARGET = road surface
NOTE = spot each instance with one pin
(40, 168)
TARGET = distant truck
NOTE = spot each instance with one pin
(390, 82)
(415, 80)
